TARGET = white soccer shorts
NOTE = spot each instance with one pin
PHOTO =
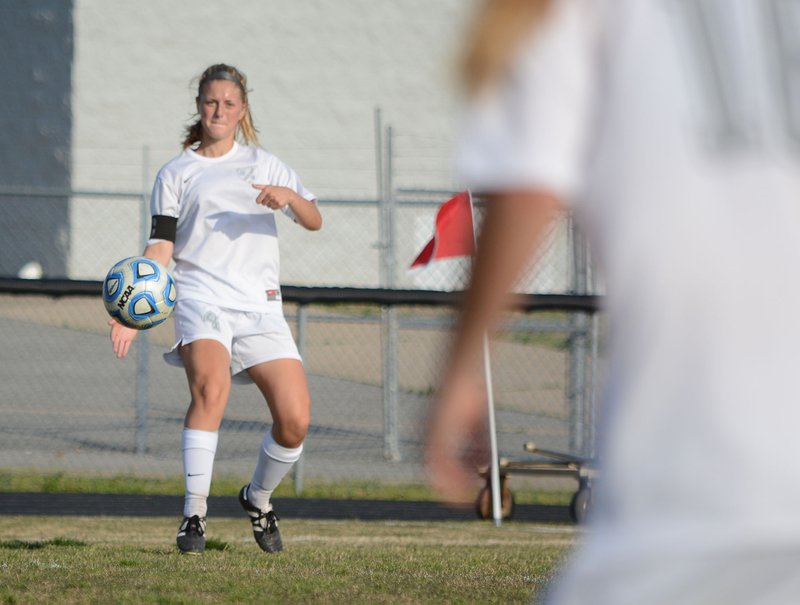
(250, 337)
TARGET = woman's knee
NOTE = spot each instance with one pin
(290, 430)
(209, 398)
(210, 393)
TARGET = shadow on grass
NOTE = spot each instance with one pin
(214, 544)
(35, 545)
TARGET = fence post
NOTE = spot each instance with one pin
(382, 193)
(391, 445)
(592, 399)
(302, 333)
(391, 438)
(578, 350)
(388, 212)
(143, 342)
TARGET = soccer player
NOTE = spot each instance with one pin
(671, 128)
(214, 213)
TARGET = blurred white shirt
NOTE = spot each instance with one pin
(673, 129)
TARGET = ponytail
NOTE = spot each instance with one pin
(498, 29)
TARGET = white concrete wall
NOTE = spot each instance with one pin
(317, 70)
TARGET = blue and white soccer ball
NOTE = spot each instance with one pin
(139, 292)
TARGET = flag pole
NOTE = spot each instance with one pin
(494, 466)
(497, 512)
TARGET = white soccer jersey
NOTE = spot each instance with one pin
(673, 128)
(226, 248)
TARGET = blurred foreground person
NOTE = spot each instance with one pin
(672, 129)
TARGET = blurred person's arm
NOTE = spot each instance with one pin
(514, 226)
(529, 81)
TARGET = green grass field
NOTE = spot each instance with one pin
(134, 560)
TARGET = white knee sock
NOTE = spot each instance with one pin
(274, 461)
(199, 448)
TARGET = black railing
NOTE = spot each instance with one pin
(305, 295)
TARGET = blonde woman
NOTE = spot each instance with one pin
(214, 212)
(670, 127)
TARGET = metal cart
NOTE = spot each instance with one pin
(549, 462)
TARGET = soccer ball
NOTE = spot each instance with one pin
(139, 292)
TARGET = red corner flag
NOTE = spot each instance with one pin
(453, 234)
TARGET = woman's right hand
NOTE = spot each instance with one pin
(121, 337)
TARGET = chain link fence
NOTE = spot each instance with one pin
(68, 404)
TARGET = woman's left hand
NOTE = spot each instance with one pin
(273, 196)
(305, 211)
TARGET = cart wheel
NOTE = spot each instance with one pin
(581, 501)
(483, 503)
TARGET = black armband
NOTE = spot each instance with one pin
(164, 227)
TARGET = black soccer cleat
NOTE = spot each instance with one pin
(192, 535)
(265, 524)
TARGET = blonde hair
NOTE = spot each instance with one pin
(498, 29)
(245, 131)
